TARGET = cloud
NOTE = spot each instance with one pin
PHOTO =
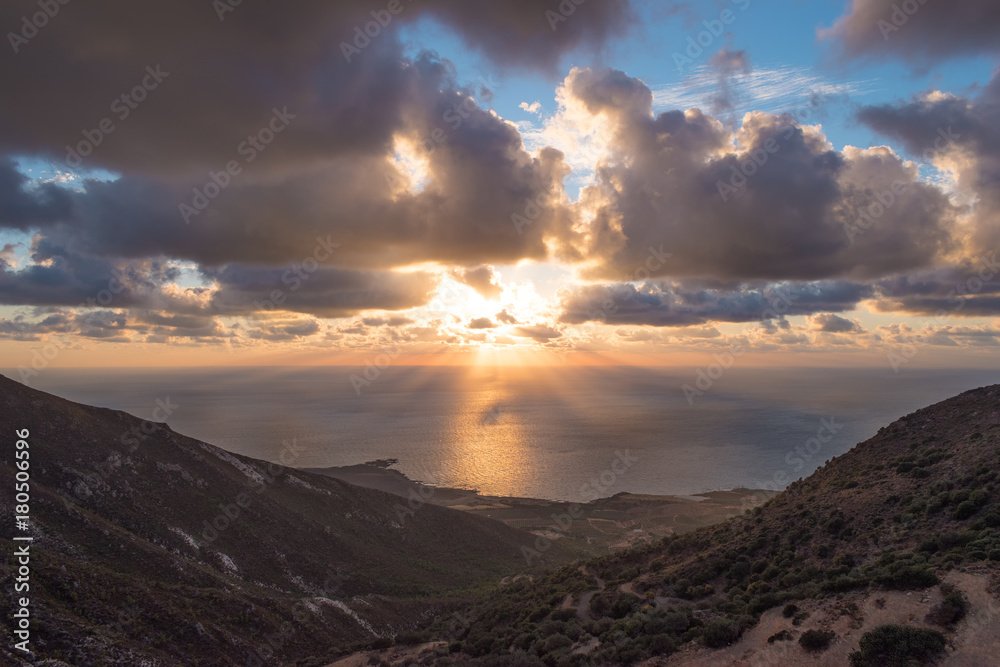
(677, 305)
(396, 321)
(919, 32)
(538, 333)
(23, 206)
(728, 67)
(779, 89)
(483, 279)
(336, 171)
(242, 290)
(958, 135)
(505, 318)
(284, 332)
(482, 323)
(830, 323)
(249, 75)
(533, 108)
(776, 206)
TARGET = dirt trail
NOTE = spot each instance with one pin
(975, 642)
(583, 606)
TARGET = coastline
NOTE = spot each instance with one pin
(592, 528)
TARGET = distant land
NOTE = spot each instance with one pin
(588, 529)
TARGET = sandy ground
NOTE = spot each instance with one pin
(392, 655)
(974, 643)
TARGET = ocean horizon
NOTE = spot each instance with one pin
(556, 433)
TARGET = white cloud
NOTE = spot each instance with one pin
(533, 108)
(777, 90)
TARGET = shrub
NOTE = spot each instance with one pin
(898, 646)
(661, 644)
(950, 610)
(624, 605)
(789, 610)
(721, 632)
(965, 509)
(782, 636)
(675, 622)
(816, 640)
(599, 605)
(556, 642)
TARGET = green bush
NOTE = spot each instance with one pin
(898, 646)
(624, 605)
(789, 610)
(950, 610)
(721, 632)
(600, 606)
(661, 644)
(965, 509)
(815, 641)
(555, 642)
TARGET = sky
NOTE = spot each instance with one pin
(440, 182)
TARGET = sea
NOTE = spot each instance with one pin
(551, 432)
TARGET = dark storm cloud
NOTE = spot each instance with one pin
(328, 292)
(921, 32)
(21, 328)
(221, 78)
(478, 176)
(675, 306)
(777, 207)
(185, 96)
(61, 277)
(23, 208)
(523, 33)
(971, 289)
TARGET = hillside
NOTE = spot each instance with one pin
(903, 531)
(149, 545)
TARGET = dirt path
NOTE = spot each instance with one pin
(975, 643)
(583, 606)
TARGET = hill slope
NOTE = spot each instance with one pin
(151, 545)
(916, 503)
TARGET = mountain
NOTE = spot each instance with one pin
(149, 545)
(886, 555)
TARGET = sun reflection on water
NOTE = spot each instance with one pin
(487, 440)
